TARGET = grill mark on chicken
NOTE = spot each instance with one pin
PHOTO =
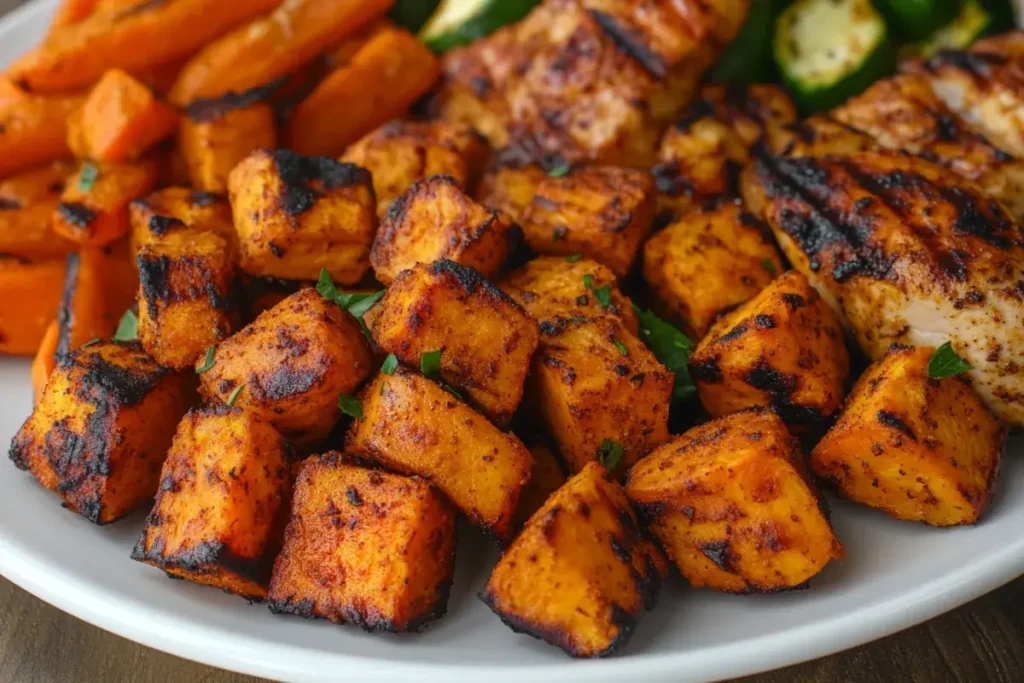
(976, 64)
(630, 44)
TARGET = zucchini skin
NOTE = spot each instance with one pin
(748, 59)
(493, 14)
(917, 19)
(412, 14)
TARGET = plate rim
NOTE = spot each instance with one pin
(193, 640)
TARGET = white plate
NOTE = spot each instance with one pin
(895, 575)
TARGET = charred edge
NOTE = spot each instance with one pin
(470, 280)
(284, 382)
(161, 225)
(206, 558)
(66, 309)
(706, 371)
(560, 639)
(794, 301)
(764, 322)
(298, 173)
(977, 64)
(650, 584)
(649, 512)
(669, 180)
(76, 214)
(780, 388)
(734, 333)
(893, 421)
(701, 109)
(204, 199)
(104, 381)
(626, 622)
(970, 220)
(631, 44)
(155, 281)
(211, 109)
(720, 553)
(436, 610)
(299, 608)
(8, 204)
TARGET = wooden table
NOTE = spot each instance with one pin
(982, 641)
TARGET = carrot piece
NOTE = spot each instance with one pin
(134, 39)
(384, 78)
(73, 11)
(45, 360)
(93, 208)
(99, 286)
(27, 203)
(29, 294)
(120, 121)
(272, 46)
(33, 128)
(161, 78)
(212, 146)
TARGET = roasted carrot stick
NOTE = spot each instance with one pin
(93, 207)
(73, 11)
(272, 46)
(135, 39)
(45, 360)
(29, 294)
(27, 203)
(99, 285)
(33, 128)
(390, 72)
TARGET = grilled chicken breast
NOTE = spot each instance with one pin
(903, 113)
(816, 136)
(906, 251)
(984, 85)
(588, 79)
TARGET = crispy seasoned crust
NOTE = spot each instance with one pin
(509, 185)
(175, 208)
(365, 547)
(212, 142)
(98, 216)
(222, 502)
(916, 448)
(581, 572)
(815, 136)
(102, 428)
(732, 504)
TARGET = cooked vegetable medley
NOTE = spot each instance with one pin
(575, 270)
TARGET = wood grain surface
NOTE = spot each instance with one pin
(982, 642)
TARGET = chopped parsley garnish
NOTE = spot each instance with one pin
(234, 394)
(128, 328)
(620, 346)
(390, 364)
(768, 265)
(208, 363)
(350, 405)
(87, 177)
(573, 258)
(603, 296)
(610, 453)
(356, 303)
(90, 343)
(559, 171)
(430, 363)
(946, 363)
(588, 281)
(672, 349)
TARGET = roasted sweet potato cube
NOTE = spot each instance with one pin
(102, 429)
(296, 215)
(365, 547)
(215, 139)
(433, 220)
(27, 203)
(510, 186)
(594, 384)
(732, 504)
(290, 366)
(412, 425)
(187, 300)
(486, 340)
(100, 284)
(260, 294)
(708, 261)
(120, 121)
(93, 207)
(222, 502)
(546, 477)
(551, 286)
(178, 208)
(401, 153)
(919, 449)
(581, 573)
(784, 349)
(29, 293)
(602, 212)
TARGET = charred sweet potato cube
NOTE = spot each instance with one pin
(594, 384)
(29, 293)
(546, 477)
(732, 504)
(290, 366)
(435, 219)
(260, 294)
(549, 287)
(708, 261)
(179, 208)
(186, 296)
(365, 547)
(486, 340)
(919, 449)
(102, 428)
(222, 503)
(120, 121)
(213, 140)
(100, 284)
(93, 207)
(784, 349)
(27, 203)
(581, 573)
(401, 153)
(412, 425)
(602, 212)
(510, 186)
(296, 215)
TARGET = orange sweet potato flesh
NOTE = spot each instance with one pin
(45, 360)
(134, 39)
(120, 121)
(27, 203)
(387, 75)
(29, 294)
(33, 128)
(272, 46)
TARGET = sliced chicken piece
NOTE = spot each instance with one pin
(816, 136)
(984, 85)
(903, 113)
(908, 252)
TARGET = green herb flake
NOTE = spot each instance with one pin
(769, 265)
(672, 349)
(946, 363)
(451, 390)
(430, 363)
(620, 346)
(560, 171)
(356, 303)
(588, 281)
(208, 363)
(350, 405)
(128, 328)
(234, 394)
(573, 258)
(610, 453)
(87, 177)
(390, 364)
(603, 296)
(90, 343)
